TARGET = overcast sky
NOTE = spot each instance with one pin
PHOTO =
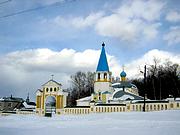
(66, 37)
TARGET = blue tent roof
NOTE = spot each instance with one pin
(103, 64)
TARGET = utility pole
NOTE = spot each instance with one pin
(144, 107)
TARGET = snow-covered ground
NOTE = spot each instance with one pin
(126, 123)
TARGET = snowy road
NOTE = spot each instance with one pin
(137, 123)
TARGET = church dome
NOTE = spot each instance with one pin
(123, 74)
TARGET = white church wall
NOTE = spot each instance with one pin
(101, 86)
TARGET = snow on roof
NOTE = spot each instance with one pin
(125, 97)
(28, 106)
(84, 99)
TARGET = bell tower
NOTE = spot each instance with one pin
(103, 75)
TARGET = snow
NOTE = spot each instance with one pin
(85, 99)
(28, 106)
(124, 123)
(125, 97)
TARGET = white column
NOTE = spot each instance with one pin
(108, 77)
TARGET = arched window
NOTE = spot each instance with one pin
(50, 89)
(47, 89)
(99, 95)
(165, 107)
(162, 107)
(171, 105)
(105, 75)
(99, 76)
(150, 107)
(158, 107)
(55, 89)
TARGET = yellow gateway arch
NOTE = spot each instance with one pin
(50, 88)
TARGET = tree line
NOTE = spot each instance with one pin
(162, 81)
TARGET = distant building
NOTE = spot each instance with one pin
(10, 103)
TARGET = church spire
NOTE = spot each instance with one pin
(103, 64)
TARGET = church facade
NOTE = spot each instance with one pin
(121, 96)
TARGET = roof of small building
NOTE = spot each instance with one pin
(51, 80)
(106, 92)
(124, 84)
(12, 99)
(84, 99)
(122, 95)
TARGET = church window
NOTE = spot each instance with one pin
(140, 107)
(99, 95)
(55, 89)
(133, 108)
(177, 104)
(92, 110)
(158, 107)
(154, 107)
(150, 107)
(162, 107)
(117, 109)
(99, 76)
(136, 107)
(50, 89)
(171, 105)
(47, 89)
(105, 75)
(165, 107)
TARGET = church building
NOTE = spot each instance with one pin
(106, 92)
(121, 96)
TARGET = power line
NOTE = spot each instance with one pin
(34, 9)
(4, 2)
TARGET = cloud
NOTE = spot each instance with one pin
(78, 22)
(134, 67)
(90, 20)
(173, 36)
(173, 16)
(25, 71)
(132, 20)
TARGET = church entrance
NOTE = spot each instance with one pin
(50, 99)
(50, 105)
